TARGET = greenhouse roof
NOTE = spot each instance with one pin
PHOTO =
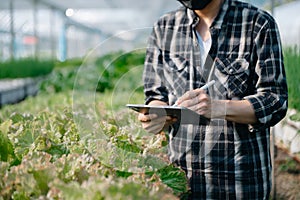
(85, 4)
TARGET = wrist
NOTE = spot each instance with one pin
(219, 109)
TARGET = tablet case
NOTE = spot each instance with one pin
(184, 115)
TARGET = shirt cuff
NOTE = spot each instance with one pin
(157, 97)
(269, 109)
(260, 113)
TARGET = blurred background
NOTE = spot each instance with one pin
(67, 29)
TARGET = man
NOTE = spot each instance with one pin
(238, 46)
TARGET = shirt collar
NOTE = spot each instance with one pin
(217, 24)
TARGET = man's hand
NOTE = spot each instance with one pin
(153, 123)
(239, 111)
(197, 100)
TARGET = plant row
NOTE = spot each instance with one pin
(292, 63)
(28, 67)
(66, 153)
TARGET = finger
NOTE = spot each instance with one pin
(201, 109)
(155, 129)
(146, 117)
(170, 122)
(154, 126)
(196, 102)
(190, 95)
(143, 118)
(158, 124)
(160, 120)
(168, 118)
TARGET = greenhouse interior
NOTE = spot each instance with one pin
(67, 70)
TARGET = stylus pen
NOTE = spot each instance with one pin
(207, 85)
(204, 87)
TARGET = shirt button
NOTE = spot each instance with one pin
(250, 128)
(230, 70)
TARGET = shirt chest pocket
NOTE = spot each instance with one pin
(233, 75)
(176, 73)
(175, 63)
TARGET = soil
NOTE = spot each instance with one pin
(287, 176)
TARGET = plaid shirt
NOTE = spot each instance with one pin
(223, 159)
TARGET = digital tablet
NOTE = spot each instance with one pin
(184, 115)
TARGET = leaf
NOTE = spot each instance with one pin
(174, 178)
(23, 142)
(42, 178)
(6, 147)
(57, 150)
(295, 117)
(123, 174)
(71, 190)
(129, 147)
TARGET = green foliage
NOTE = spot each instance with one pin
(61, 79)
(174, 178)
(33, 105)
(56, 159)
(6, 148)
(70, 63)
(292, 63)
(114, 66)
(28, 67)
(52, 133)
(115, 70)
(60, 145)
(295, 117)
(289, 165)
